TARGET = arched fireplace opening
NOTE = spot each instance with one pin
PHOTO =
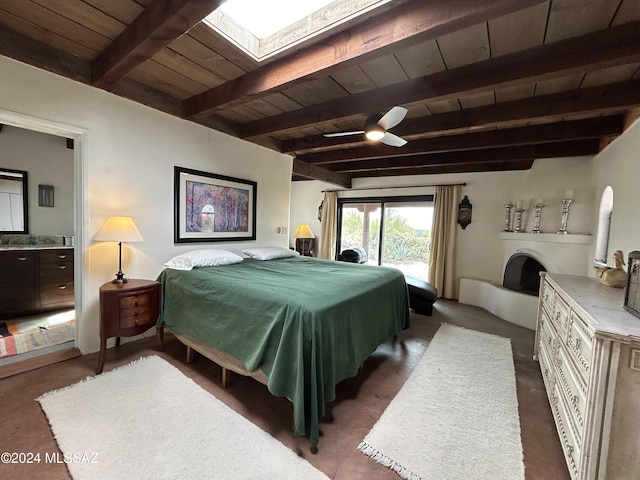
(522, 274)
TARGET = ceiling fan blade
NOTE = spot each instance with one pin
(342, 134)
(392, 118)
(393, 140)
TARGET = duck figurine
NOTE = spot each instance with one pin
(613, 277)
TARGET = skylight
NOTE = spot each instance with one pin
(263, 28)
(263, 19)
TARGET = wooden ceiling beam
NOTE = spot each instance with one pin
(404, 26)
(26, 50)
(440, 169)
(609, 99)
(312, 172)
(606, 48)
(488, 155)
(156, 27)
(529, 135)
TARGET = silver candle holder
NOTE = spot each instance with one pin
(519, 212)
(566, 204)
(536, 218)
(507, 217)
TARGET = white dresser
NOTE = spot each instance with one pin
(588, 348)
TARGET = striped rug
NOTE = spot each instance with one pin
(34, 333)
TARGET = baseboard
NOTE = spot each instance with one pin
(38, 362)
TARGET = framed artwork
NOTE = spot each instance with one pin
(632, 294)
(213, 208)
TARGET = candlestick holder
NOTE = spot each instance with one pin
(566, 204)
(507, 217)
(536, 218)
(519, 212)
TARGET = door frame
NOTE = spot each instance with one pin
(80, 182)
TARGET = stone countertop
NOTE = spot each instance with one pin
(34, 247)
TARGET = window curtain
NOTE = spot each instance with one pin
(329, 226)
(443, 241)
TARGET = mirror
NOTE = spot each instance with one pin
(13, 201)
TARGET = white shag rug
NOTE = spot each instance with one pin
(456, 416)
(146, 420)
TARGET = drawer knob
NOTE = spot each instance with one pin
(62, 287)
(574, 400)
(22, 259)
(577, 343)
(62, 257)
(62, 267)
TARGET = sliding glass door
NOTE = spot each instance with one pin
(394, 232)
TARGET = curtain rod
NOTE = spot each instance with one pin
(402, 186)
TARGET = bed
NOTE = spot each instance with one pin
(300, 324)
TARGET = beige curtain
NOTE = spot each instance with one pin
(443, 241)
(329, 226)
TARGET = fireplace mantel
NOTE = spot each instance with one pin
(547, 237)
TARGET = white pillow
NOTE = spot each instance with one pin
(269, 253)
(202, 258)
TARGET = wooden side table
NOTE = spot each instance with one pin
(126, 309)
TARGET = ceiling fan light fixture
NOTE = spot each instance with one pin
(375, 133)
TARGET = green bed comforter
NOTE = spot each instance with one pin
(307, 323)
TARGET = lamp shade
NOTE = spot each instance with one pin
(303, 231)
(118, 229)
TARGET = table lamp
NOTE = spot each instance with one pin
(119, 229)
(303, 232)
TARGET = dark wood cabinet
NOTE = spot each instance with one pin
(18, 288)
(56, 278)
(34, 281)
(126, 309)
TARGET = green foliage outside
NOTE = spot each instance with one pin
(402, 242)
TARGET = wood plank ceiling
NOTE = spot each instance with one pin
(489, 85)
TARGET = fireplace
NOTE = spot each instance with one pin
(525, 256)
(522, 274)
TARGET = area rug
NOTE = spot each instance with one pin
(147, 420)
(456, 416)
(36, 332)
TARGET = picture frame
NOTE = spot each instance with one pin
(213, 208)
(632, 291)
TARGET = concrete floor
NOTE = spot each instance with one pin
(360, 400)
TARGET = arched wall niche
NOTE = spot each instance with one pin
(604, 224)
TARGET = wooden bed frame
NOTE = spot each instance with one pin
(227, 362)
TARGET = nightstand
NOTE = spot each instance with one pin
(126, 309)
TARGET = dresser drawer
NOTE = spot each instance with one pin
(580, 345)
(54, 293)
(568, 441)
(56, 256)
(574, 392)
(546, 366)
(547, 298)
(560, 317)
(56, 273)
(547, 334)
(136, 309)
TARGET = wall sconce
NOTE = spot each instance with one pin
(45, 195)
(464, 212)
(320, 211)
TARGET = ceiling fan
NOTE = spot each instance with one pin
(376, 126)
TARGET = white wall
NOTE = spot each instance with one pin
(48, 161)
(129, 155)
(479, 248)
(618, 166)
